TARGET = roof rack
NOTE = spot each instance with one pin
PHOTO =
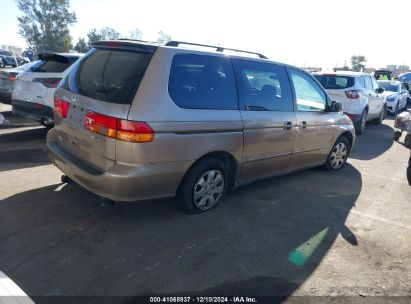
(217, 48)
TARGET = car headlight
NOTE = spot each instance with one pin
(391, 98)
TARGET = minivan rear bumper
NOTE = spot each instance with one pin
(32, 110)
(121, 182)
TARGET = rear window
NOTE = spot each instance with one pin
(52, 66)
(202, 82)
(335, 82)
(109, 75)
(389, 86)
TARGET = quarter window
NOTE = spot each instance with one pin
(202, 82)
(263, 86)
(368, 83)
(309, 96)
(361, 81)
(374, 84)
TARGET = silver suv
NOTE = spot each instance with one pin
(136, 121)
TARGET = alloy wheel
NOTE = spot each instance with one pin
(339, 155)
(208, 189)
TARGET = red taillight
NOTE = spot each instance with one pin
(12, 77)
(48, 82)
(126, 130)
(134, 131)
(353, 94)
(60, 107)
(352, 117)
(101, 124)
(398, 122)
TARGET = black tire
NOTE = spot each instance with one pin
(383, 115)
(361, 125)
(192, 183)
(330, 164)
(397, 108)
(49, 125)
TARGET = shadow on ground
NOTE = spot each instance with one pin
(13, 121)
(376, 141)
(23, 149)
(264, 239)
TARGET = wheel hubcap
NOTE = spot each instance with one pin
(208, 189)
(339, 155)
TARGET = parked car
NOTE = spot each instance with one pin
(361, 96)
(13, 60)
(33, 92)
(396, 95)
(7, 80)
(136, 121)
(382, 74)
(405, 77)
(403, 123)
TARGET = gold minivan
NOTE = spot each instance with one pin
(137, 120)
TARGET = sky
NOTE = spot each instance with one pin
(323, 33)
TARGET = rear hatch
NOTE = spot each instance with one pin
(336, 87)
(103, 83)
(32, 85)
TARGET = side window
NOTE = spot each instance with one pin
(309, 96)
(361, 81)
(374, 84)
(263, 86)
(202, 82)
(368, 83)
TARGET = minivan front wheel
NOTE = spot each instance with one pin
(203, 187)
(338, 155)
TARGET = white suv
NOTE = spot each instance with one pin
(360, 95)
(33, 92)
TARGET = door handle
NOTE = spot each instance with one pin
(303, 125)
(288, 125)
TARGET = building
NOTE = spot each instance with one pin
(11, 48)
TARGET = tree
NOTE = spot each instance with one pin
(45, 24)
(68, 44)
(163, 37)
(357, 63)
(108, 33)
(93, 36)
(81, 46)
(343, 68)
(135, 34)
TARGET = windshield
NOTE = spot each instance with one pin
(335, 82)
(52, 66)
(109, 75)
(5, 53)
(390, 86)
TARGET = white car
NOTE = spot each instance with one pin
(396, 94)
(33, 92)
(361, 96)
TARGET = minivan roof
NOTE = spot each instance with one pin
(152, 46)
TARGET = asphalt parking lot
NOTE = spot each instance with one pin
(309, 233)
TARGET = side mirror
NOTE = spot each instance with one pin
(336, 106)
(380, 90)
